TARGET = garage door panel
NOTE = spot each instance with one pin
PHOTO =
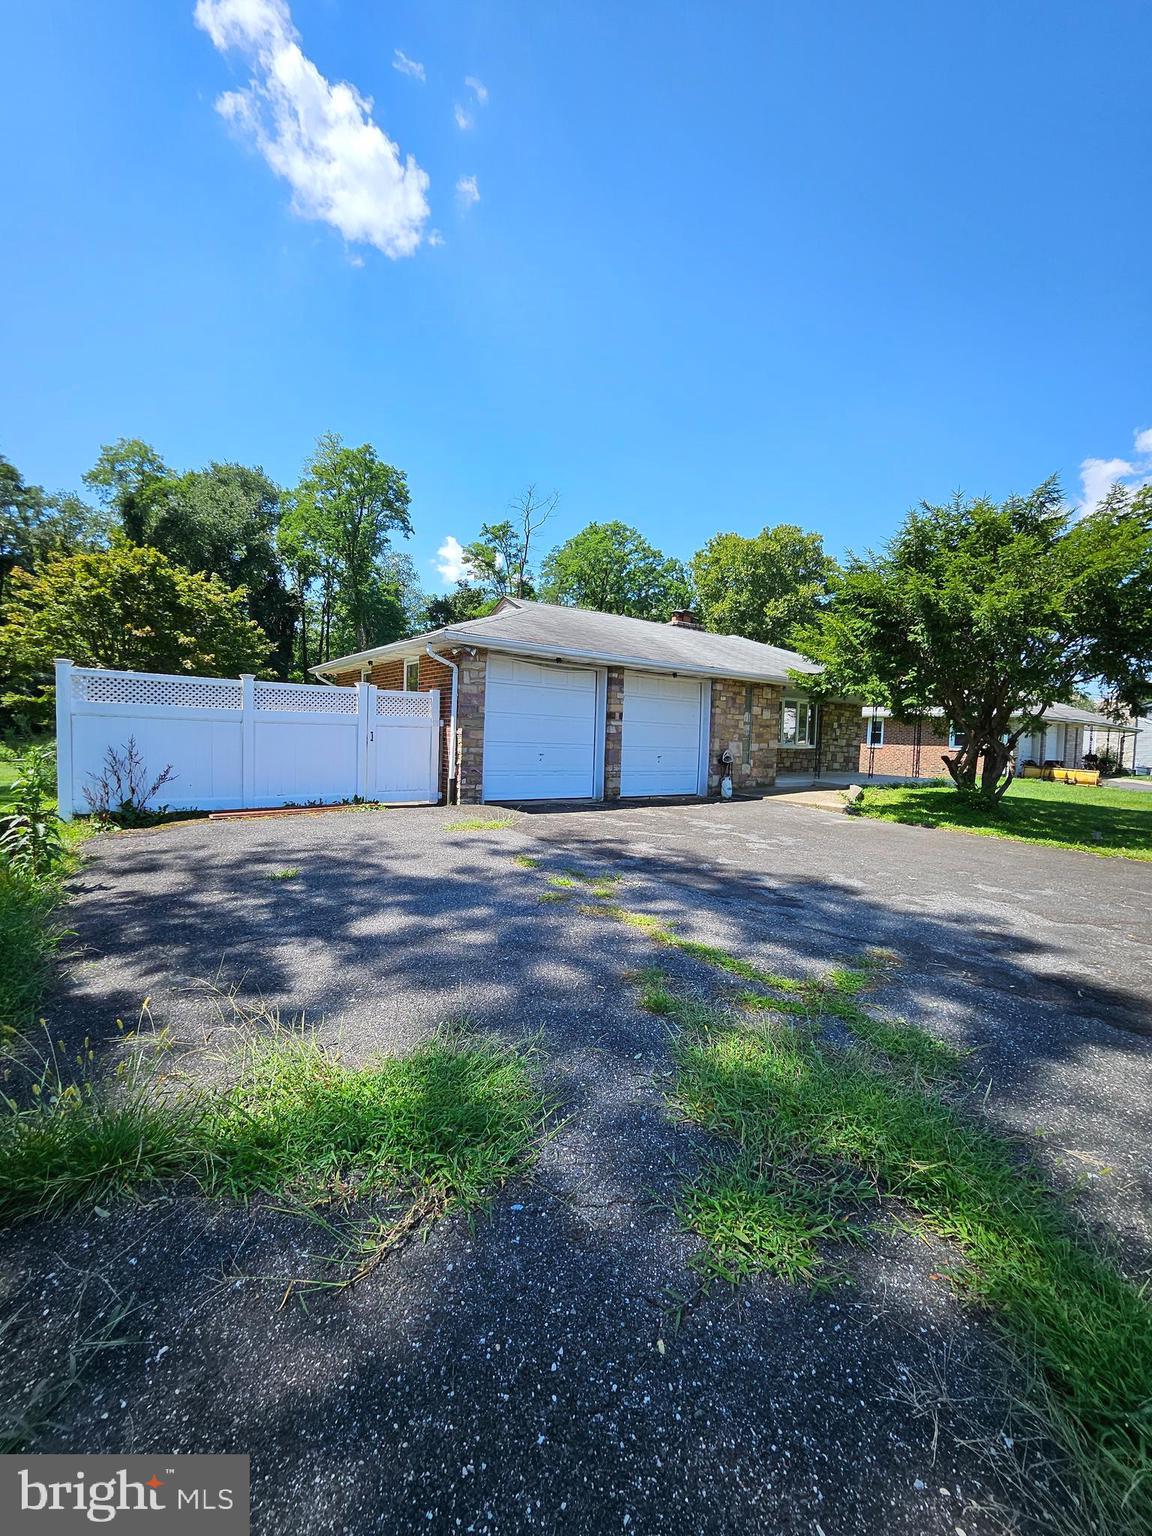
(660, 746)
(539, 731)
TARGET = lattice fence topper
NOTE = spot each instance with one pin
(405, 706)
(305, 698)
(167, 692)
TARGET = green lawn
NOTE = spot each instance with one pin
(1116, 822)
(10, 766)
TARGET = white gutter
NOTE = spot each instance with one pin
(448, 662)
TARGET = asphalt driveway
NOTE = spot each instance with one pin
(552, 1367)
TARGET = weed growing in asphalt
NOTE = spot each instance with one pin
(526, 861)
(558, 898)
(826, 1132)
(282, 874)
(454, 1117)
(479, 824)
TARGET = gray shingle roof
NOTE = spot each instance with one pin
(1057, 714)
(582, 634)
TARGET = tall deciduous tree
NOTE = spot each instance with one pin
(34, 525)
(343, 511)
(991, 613)
(499, 557)
(222, 520)
(122, 472)
(611, 567)
(762, 587)
(127, 606)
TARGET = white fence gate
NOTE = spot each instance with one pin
(235, 743)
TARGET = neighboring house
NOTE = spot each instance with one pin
(548, 703)
(913, 749)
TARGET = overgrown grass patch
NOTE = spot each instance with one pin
(29, 937)
(1115, 822)
(282, 874)
(454, 1117)
(479, 824)
(789, 1101)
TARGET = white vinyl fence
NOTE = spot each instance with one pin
(235, 743)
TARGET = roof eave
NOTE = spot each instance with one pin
(464, 637)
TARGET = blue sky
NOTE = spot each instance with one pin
(725, 265)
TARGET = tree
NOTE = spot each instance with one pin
(122, 472)
(222, 520)
(341, 515)
(464, 602)
(34, 525)
(761, 587)
(499, 556)
(126, 607)
(991, 613)
(609, 566)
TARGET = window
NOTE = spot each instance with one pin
(412, 675)
(874, 731)
(797, 723)
(957, 740)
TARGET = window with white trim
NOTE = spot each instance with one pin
(412, 675)
(957, 739)
(874, 731)
(797, 723)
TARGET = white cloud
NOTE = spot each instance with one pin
(435, 237)
(467, 191)
(478, 88)
(1098, 476)
(451, 561)
(463, 120)
(342, 168)
(407, 66)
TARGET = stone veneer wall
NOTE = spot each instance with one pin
(613, 733)
(745, 719)
(470, 727)
(840, 729)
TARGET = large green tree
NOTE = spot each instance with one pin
(338, 527)
(611, 567)
(129, 607)
(762, 587)
(223, 521)
(989, 613)
(34, 525)
(121, 474)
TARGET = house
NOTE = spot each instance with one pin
(913, 749)
(540, 702)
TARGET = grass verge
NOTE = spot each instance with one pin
(1113, 822)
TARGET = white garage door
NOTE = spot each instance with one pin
(660, 753)
(539, 731)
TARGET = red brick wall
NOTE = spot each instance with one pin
(898, 754)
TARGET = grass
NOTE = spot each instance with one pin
(451, 1120)
(282, 874)
(479, 824)
(1113, 822)
(29, 938)
(789, 1102)
(821, 1132)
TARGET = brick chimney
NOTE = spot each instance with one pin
(685, 618)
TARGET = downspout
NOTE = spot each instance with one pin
(453, 788)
